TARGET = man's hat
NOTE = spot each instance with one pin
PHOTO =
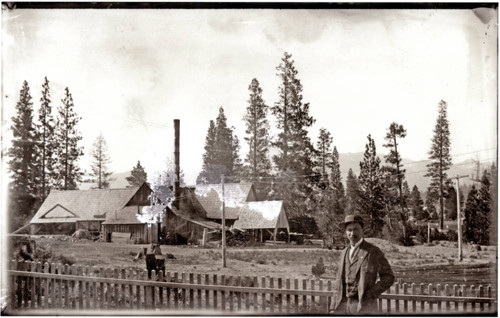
(353, 219)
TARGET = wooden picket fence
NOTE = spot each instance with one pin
(56, 287)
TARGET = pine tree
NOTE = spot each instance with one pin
(221, 152)
(352, 193)
(207, 175)
(441, 160)
(68, 152)
(371, 194)
(396, 172)
(470, 213)
(100, 162)
(293, 120)
(339, 204)
(257, 133)
(137, 176)
(323, 157)
(294, 160)
(450, 203)
(22, 164)
(494, 203)
(417, 205)
(484, 211)
(46, 142)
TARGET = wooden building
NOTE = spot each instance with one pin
(109, 210)
(199, 212)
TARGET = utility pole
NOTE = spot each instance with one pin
(223, 224)
(459, 217)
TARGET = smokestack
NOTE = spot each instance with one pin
(177, 165)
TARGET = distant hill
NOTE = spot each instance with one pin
(116, 181)
(415, 170)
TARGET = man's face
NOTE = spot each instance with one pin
(354, 232)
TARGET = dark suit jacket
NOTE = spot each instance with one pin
(371, 263)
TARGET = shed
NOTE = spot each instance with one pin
(260, 216)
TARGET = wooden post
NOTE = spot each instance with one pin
(428, 233)
(459, 218)
(204, 241)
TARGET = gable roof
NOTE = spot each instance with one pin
(84, 204)
(58, 211)
(210, 198)
(261, 215)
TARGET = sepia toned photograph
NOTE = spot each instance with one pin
(212, 159)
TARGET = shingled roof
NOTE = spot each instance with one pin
(210, 198)
(261, 215)
(73, 205)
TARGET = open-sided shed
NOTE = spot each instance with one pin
(260, 216)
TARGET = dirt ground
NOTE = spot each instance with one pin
(436, 263)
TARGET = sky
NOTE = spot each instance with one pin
(132, 72)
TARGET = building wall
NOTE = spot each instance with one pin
(138, 232)
(177, 225)
(53, 228)
(91, 226)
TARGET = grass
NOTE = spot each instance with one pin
(285, 262)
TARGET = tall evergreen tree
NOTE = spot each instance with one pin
(484, 210)
(352, 193)
(450, 203)
(46, 142)
(372, 191)
(207, 175)
(137, 176)
(470, 215)
(339, 204)
(257, 133)
(293, 120)
(100, 162)
(67, 136)
(221, 152)
(394, 134)
(494, 203)
(295, 150)
(417, 205)
(22, 164)
(323, 149)
(441, 160)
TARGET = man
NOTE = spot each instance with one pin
(359, 265)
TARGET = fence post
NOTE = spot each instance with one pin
(323, 302)
(287, 296)
(34, 286)
(255, 296)
(413, 303)
(198, 292)
(191, 291)
(481, 294)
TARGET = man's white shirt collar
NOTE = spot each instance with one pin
(357, 244)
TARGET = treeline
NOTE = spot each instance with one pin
(44, 153)
(308, 178)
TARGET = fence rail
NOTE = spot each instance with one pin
(63, 287)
